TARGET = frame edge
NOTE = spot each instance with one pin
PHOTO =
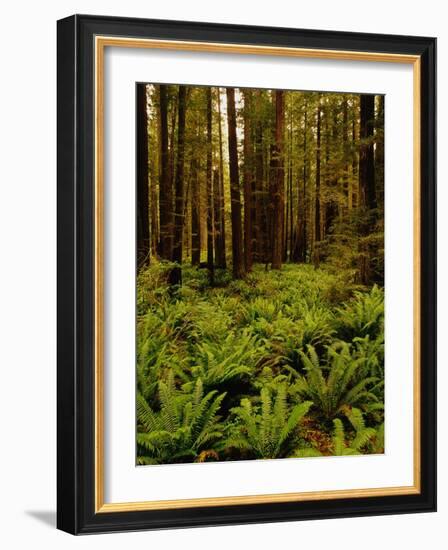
(67, 463)
(74, 516)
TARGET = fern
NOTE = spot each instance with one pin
(185, 426)
(229, 371)
(363, 436)
(268, 430)
(363, 316)
(337, 383)
(220, 363)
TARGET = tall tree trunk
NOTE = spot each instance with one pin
(154, 178)
(286, 234)
(143, 233)
(331, 177)
(305, 182)
(366, 157)
(317, 221)
(355, 162)
(277, 182)
(216, 221)
(290, 203)
(172, 146)
(154, 218)
(237, 237)
(176, 274)
(300, 228)
(195, 214)
(221, 222)
(379, 151)
(348, 176)
(209, 167)
(248, 180)
(187, 214)
(165, 188)
(259, 188)
(367, 195)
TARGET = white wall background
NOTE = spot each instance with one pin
(28, 271)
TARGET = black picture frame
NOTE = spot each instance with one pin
(76, 264)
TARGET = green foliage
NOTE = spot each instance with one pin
(267, 430)
(363, 316)
(354, 241)
(258, 368)
(336, 381)
(159, 352)
(357, 439)
(186, 425)
(217, 363)
(362, 436)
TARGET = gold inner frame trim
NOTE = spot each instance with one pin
(101, 42)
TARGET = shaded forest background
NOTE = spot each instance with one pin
(260, 266)
(240, 176)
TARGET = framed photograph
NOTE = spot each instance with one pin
(246, 274)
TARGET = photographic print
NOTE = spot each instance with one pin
(260, 274)
(226, 326)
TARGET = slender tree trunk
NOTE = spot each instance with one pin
(143, 233)
(216, 221)
(259, 190)
(221, 236)
(289, 246)
(165, 189)
(154, 178)
(266, 204)
(248, 178)
(290, 202)
(237, 240)
(317, 220)
(300, 229)
(209, 175)
(172, 148)
(195, 214)
(325, 171)
(367, 195)
(331, 178)
(277, 182)
(176, 274)
(366, 160)
(348, 184)
(379, 151)
(285, 211)
(355, 156)
(305, 182)
(154, 217)
(187, 214)
(286, 236)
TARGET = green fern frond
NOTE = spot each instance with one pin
(298, 412)
(145, 415)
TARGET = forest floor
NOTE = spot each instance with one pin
(286, 363)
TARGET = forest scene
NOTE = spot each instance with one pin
(260, 274)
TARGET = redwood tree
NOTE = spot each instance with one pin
(317, 215)
(176, 276)
(209, 167)
(195, 214)
(220, 222)
(367, 195)
(366, 155)
(143, 233)
(166, 192)
(235, 200)
(259, 228)
(277, 182)
(248, 181)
